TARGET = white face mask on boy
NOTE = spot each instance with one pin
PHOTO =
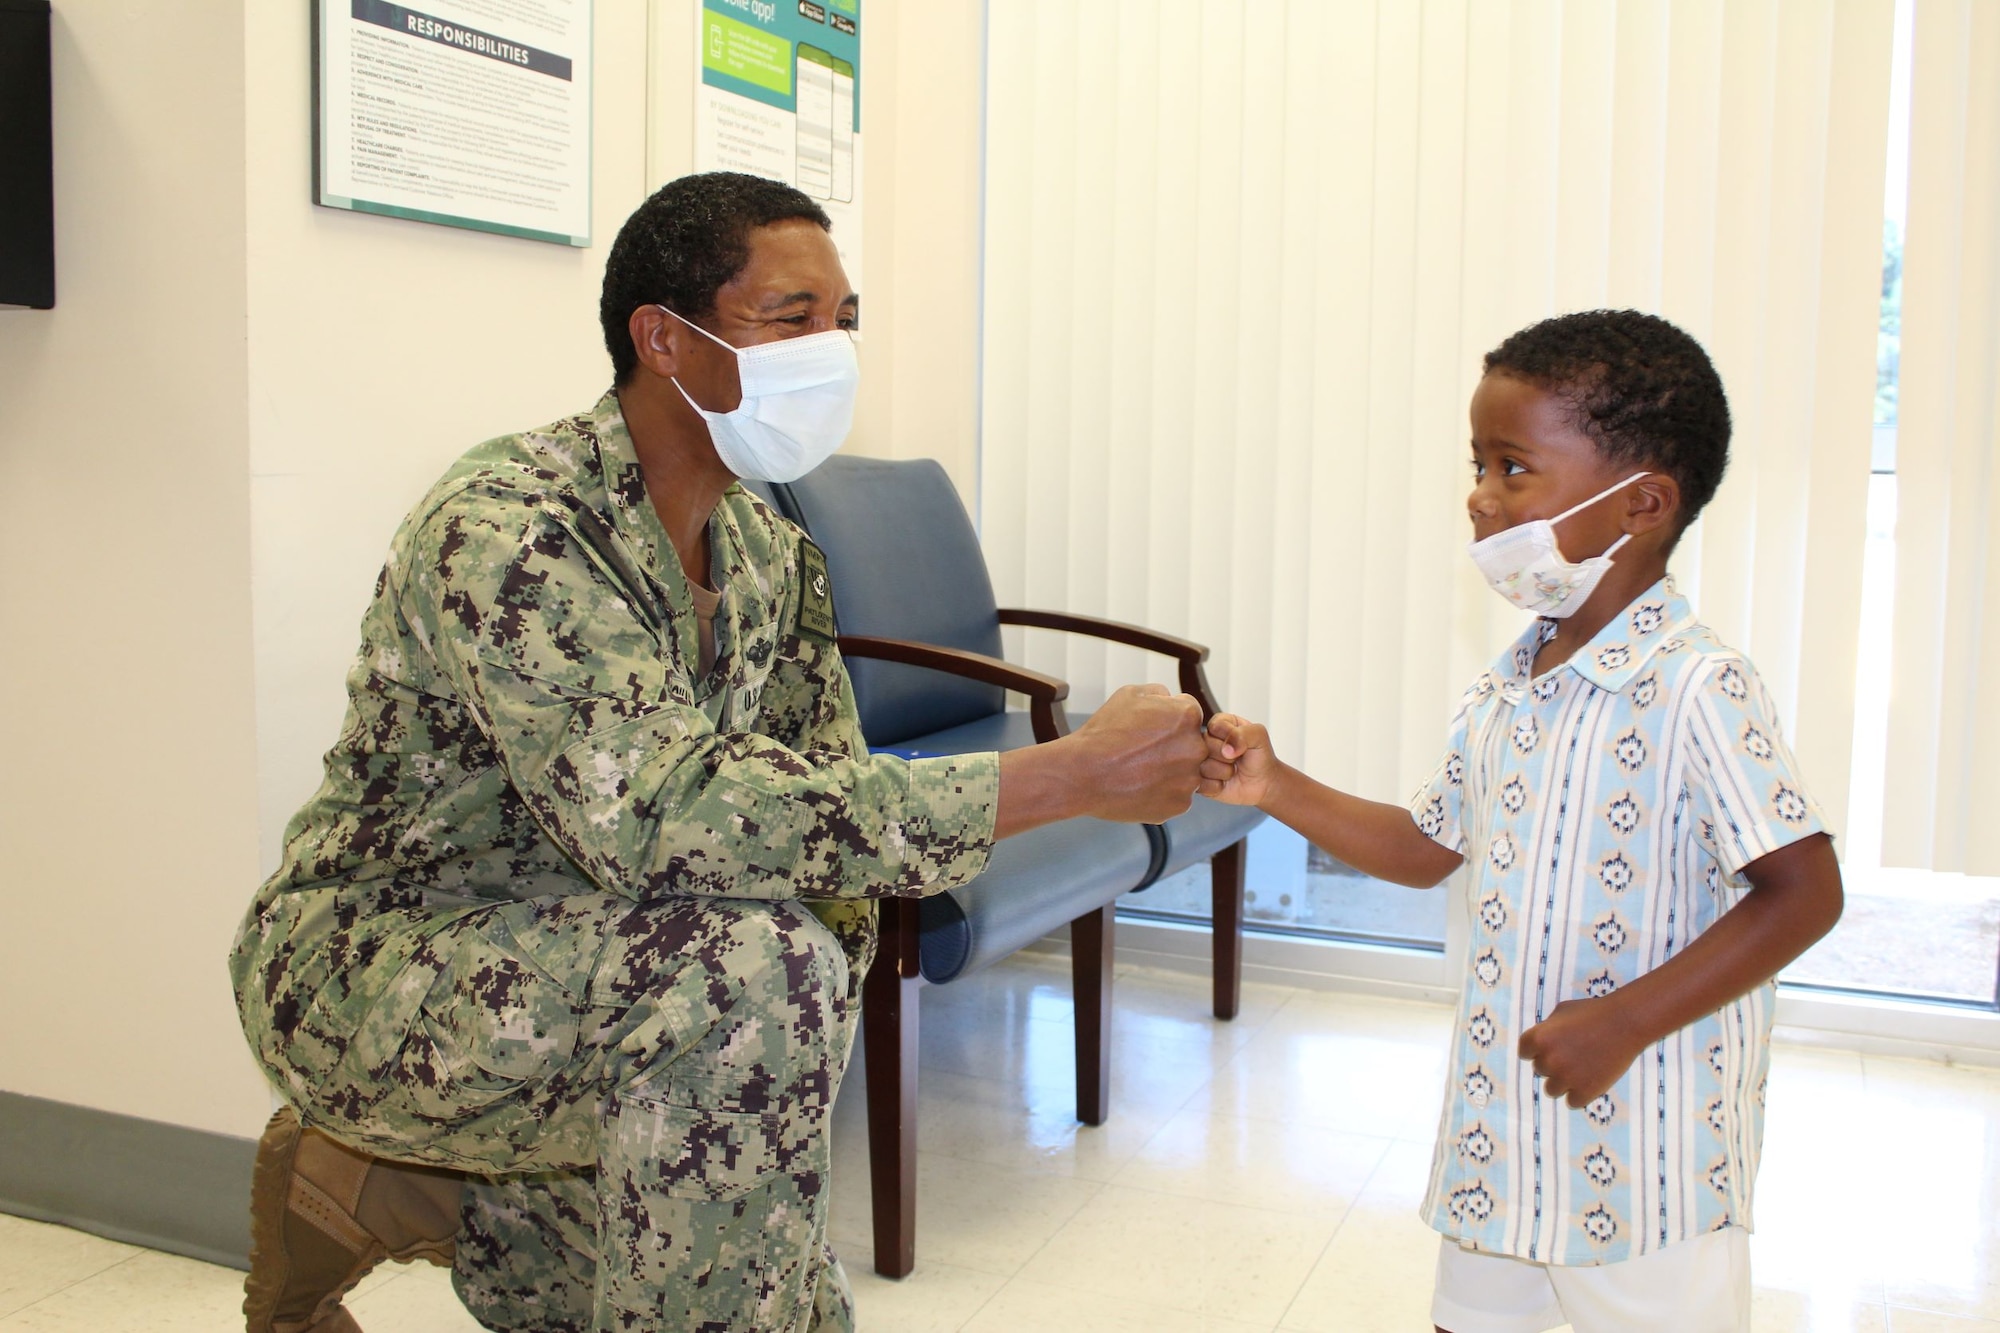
(798, 404)
(1524, 564)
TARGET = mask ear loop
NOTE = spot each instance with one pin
(731, 348)
(1578, 508)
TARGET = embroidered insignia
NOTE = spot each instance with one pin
(815, 596)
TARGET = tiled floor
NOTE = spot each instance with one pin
(1261, 1174)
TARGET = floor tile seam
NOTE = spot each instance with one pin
(1202, 1040)
(1137, 1305)
(1342, 1208)
(1970, 1321)
(1060, 1227)
(1007, 1168)
(1313, 1267)
(1232, 1203)
(1386, 1144)
(1890, 1299)
(991, 1297)
(8, 1315)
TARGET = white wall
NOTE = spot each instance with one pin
(923, 62)
(208, 444)
(380, 350)
(128, 766)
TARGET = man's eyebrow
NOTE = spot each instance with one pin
(791, 298)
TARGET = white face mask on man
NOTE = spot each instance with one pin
(1524, 564)
(798, 404)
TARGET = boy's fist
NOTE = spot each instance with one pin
(1240, 764)
(1581, 1050)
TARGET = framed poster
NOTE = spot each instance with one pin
(471, 113)
(778, 94)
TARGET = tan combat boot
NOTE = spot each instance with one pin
(322, 1215)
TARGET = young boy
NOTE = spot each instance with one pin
(1643, 858)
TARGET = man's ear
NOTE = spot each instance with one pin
(1652, 502)
(657, 340)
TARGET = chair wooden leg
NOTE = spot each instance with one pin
(1226, 871)
(889, 1027)
(1090, 948)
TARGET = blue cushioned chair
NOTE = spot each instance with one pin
(921, 637)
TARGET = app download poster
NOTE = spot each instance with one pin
(780, 96)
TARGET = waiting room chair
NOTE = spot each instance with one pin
(920, 633)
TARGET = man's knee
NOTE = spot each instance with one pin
(745, 952)
(750, 991)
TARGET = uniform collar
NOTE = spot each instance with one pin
(636, 520)
(745, 591)
(1620, 650)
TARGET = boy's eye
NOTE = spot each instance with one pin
(1510, 468)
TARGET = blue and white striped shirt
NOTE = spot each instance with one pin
(1606, 809)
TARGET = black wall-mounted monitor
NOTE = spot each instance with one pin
(27, 177)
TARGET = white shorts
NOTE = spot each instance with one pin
(1697, 1286)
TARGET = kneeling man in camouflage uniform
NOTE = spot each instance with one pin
(560, 972)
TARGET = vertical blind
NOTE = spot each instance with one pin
(1242, 260)
(1946, 647)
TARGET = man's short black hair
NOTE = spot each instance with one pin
(1640, 388)
(683, 244)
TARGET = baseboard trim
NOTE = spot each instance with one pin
(166, 1187)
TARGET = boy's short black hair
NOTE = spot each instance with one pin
(1642, 389)
(681, 245)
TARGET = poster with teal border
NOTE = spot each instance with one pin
(779, 95)
(467, 113)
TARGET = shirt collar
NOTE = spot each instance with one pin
(625, 481)
(635, 519)
(1620, 650)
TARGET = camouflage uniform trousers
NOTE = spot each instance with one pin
(640, 1094)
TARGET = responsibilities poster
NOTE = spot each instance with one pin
(779, 95)
(474, 113)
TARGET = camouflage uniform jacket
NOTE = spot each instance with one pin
(525, 719)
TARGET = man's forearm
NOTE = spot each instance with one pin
(1038, 785)
(1138, 759)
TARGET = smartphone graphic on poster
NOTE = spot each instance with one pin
(843, 130)
(816, 121)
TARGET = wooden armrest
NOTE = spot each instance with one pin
(1045, 693)
(1135, 636)
(1190, 655)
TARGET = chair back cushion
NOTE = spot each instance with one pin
(905, 564)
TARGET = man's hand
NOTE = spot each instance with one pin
(1141, 754)
(1240, 763)
(1581, 1049)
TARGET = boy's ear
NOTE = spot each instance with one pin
(1653, 502)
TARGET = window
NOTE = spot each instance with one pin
(1294, 888)
(1914, 933)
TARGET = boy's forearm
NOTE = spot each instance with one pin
(1795, 898)
(1374, 837)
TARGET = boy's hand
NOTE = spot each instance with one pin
(1581, 1049)
(1240, 765)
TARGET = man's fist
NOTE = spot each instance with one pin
(1143, 753)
